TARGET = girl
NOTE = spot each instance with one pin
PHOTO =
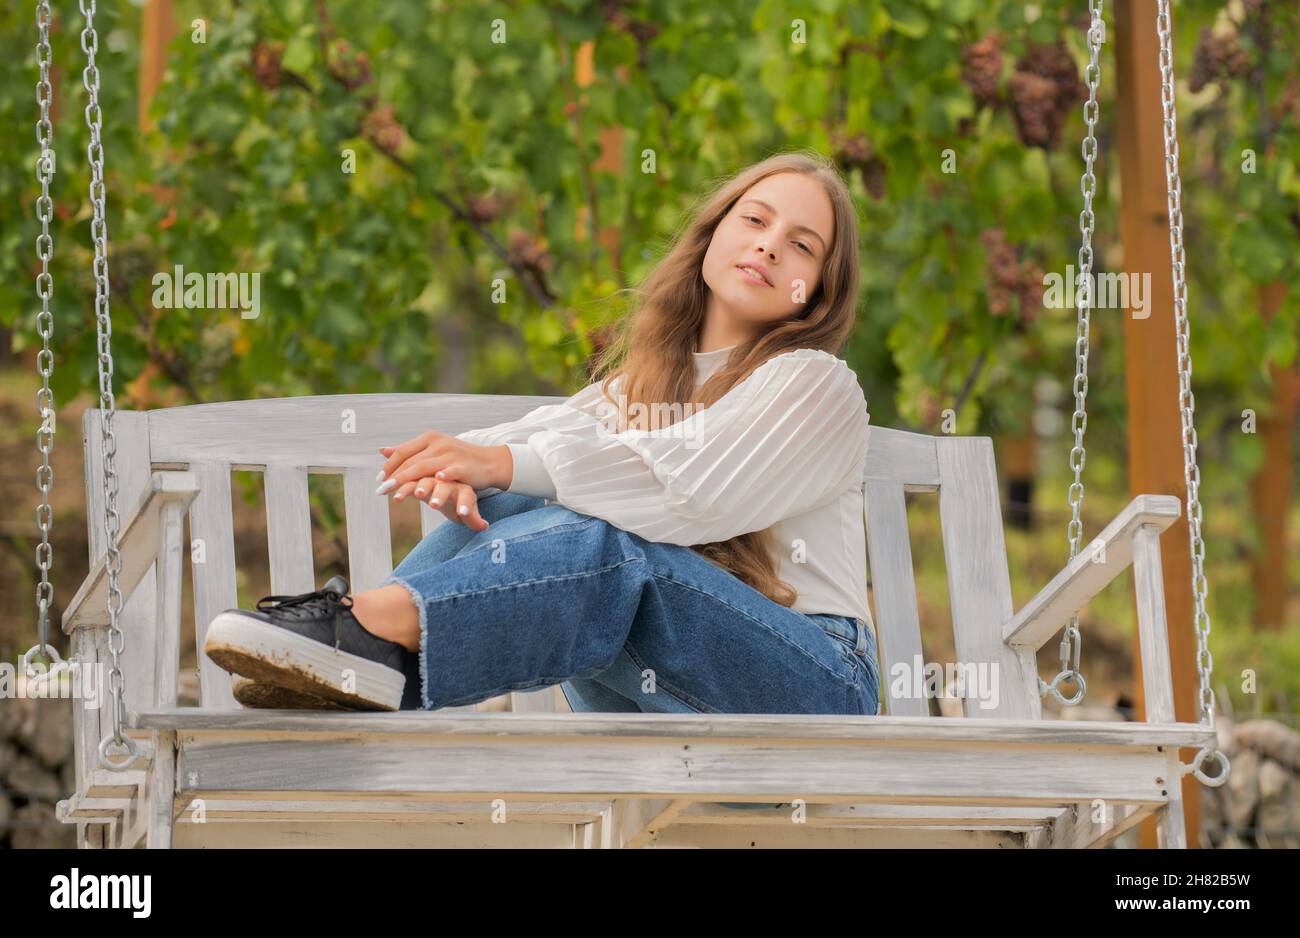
(682, 535)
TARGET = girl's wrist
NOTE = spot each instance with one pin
(504, 472)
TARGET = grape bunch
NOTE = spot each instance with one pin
(1045, 88)
(350, 68)
(381, 127)
(856, 152)
(526, 251)
(642, 30)
(982, 69)
(265, 63)
(1217, 58)
(484, 209)
(1007, 280)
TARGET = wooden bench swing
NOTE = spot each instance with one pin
(519, 771)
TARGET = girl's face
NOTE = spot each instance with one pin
(783, 226)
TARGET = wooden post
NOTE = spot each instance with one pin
(1019, 452)
(611, 154)
(157, 27)
(1151, 373)
(1270, 492)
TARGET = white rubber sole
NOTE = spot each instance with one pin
(263, 695)
(259, 650)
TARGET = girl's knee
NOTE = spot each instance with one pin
(504, 504)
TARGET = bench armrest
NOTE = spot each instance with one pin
(1095, 566)
(138, 540)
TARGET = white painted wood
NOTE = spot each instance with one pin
(799, 836)
(876, 815)
(709, 769)
(131, 830)
(162, 789)
(131, 467)
(790, 727)
(371, 835)
(305, 431)
(259, 834)
(902, 457)
(167, 634)
(370, 545)
(893, 585)
(137, 542)
(85, 717)
(536, 701)
(979, 587)
(1171, 834)
(1153, 632)
(187, 810)
(288, 530)
(632, 823)
(612, 780)
(76, 806)
(105, 783)
(1078, 826)
(1097, 565)
(162, 776)
(212, 560)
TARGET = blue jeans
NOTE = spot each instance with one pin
(547, 595)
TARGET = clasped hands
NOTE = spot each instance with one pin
(447, 472)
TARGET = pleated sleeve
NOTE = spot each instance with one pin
(788, 438)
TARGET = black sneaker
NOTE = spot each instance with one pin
(311, 644)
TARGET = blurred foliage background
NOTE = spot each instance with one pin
(383, 164)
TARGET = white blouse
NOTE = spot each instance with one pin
(785, 448)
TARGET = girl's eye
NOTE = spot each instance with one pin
(807, 250)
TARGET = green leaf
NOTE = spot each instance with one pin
(300, 52)
(907, 19)
(1260, 256)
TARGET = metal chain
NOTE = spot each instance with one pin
(1083, 301)
(104, 330)
(45, 166)
(1186, 402)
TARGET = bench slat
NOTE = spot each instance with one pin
(212, 554)
(288, 529)
(992, 731)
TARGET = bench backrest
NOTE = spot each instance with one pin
(962, 471)
(288, 438)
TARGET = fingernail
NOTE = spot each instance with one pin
(463, 510)
(435, 502)
(398, 497)
(380, 477)
(438, 474)
(419, 491)
(386, 487)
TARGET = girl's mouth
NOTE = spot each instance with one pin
(753, 277)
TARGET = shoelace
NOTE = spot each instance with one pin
(309, 605)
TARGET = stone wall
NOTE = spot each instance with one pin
(36, 772)
(1259, 806)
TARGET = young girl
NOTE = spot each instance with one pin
(682, 535)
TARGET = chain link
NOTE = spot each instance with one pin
(1072, 640)
(45, 166)
(45, 326)
(1186, 402)
(104, 331)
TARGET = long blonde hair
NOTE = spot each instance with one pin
(651, 350)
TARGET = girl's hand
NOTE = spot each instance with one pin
(458, 502)
(418, 464)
